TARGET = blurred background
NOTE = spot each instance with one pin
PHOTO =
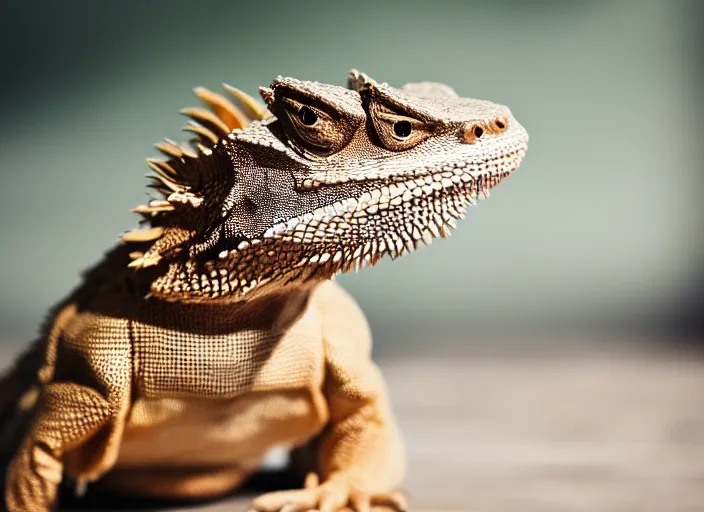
(599, 232)
(597, 239)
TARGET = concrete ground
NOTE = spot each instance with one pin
(592, 431)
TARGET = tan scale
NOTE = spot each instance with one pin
(214, 332)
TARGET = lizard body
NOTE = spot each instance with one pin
(201, 342)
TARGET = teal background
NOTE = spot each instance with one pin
(598, 235)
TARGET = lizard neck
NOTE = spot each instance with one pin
(273, 309)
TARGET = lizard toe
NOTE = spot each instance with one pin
(331, 496)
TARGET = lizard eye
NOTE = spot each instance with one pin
(307, 116)
(395, 131)
(313, 129)
(402, 129)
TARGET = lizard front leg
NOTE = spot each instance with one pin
(361, 459)
(68, 414)
(78, 418)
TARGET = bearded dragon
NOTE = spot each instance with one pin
(216, 333)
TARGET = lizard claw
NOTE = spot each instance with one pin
(331, 496)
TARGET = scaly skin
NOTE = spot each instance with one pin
(216, 333)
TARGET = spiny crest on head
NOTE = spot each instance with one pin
(184, 176)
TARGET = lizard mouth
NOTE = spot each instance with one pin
(391, 218)
(393, 215)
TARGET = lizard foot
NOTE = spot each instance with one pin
(331, 496)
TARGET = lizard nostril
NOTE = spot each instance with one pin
(500, 123)
(472, 132)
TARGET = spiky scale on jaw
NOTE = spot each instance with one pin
(294, 197)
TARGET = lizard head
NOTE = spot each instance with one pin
(331, 179)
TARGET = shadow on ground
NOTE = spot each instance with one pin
(259, 483)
